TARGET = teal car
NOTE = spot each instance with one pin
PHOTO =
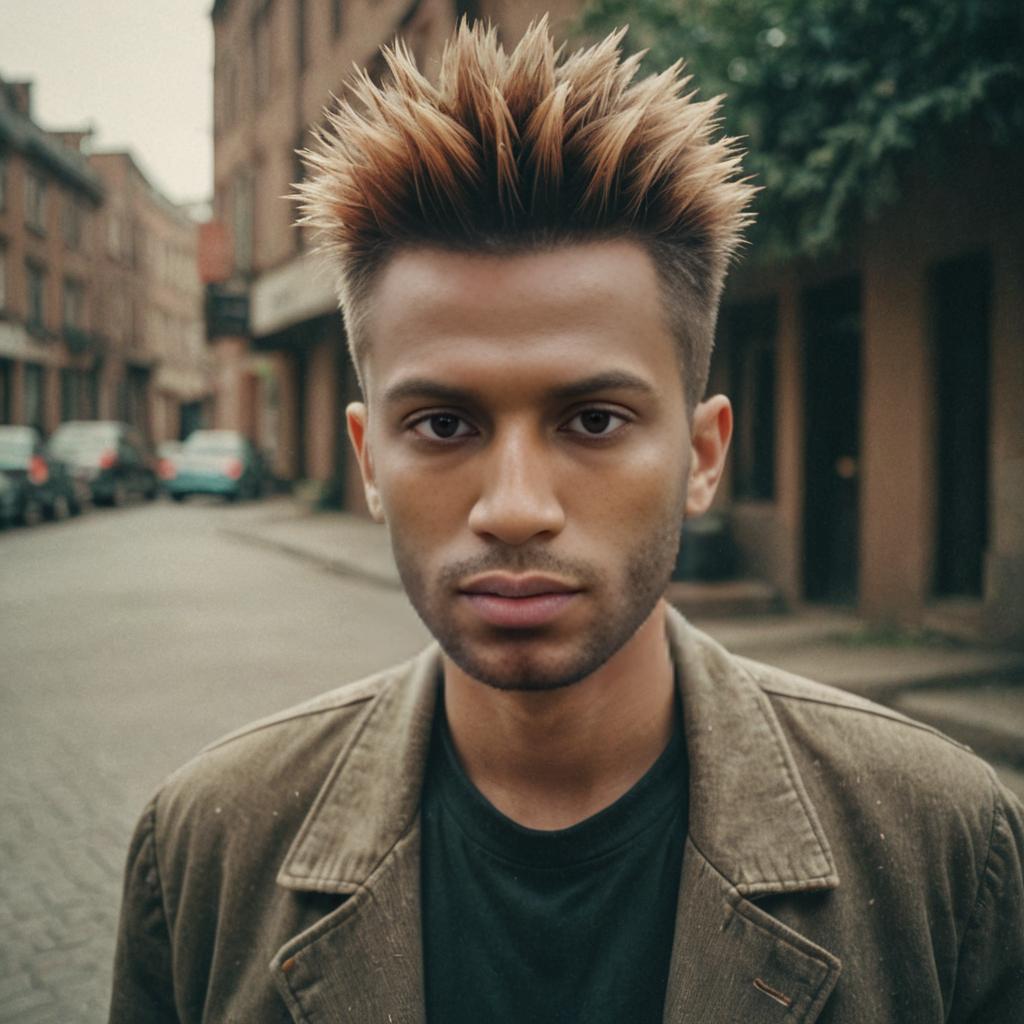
(219, 462)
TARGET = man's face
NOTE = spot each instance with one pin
(525, 438)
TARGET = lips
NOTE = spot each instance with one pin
(518, 602)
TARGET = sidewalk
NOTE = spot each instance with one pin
(974, 694)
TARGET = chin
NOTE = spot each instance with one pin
(504, 667)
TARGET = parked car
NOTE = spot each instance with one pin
(221, 462)
(45, 485)
(111, 457)
(8, 501)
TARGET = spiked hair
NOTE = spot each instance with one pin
(526, 150)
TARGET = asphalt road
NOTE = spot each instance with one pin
(130, 638)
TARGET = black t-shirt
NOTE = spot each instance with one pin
(525, 926)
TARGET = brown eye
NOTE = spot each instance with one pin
(441, 426)
(595, 423)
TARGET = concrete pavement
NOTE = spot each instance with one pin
(975, 694)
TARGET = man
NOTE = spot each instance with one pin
(575, 807)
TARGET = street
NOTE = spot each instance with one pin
(131, 638)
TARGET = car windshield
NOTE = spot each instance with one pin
(15, 448)
(82, 439)
(214, 444)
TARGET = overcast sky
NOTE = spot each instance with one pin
(139, 71)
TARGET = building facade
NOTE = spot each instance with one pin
(878, 460)
(50, 359)
(101, 307)
(150, 302)
(286, 380)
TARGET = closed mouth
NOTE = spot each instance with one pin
(502, 585)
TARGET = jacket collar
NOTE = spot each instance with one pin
(371, 797)
(752, 831)
(750, 814)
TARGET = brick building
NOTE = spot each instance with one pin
(286, 381)
(48, 198)
(100, 299)
(878, 460)
(150, 302)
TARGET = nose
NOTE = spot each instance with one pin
(517, 500)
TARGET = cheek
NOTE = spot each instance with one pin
(422, 503)
(642, 483)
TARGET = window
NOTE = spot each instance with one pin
(335, 18)
(6, 387)
(262, 43)
(70, 392)
(35, 202)
(73, 304)
(301, 54)
(242, 221)
(115, 234)
(36, 278)
(32, 408)
(750, 337)
(71, 222)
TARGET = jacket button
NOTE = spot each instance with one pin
(288, 964)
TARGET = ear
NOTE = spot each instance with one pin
(710, 433)
(356, 417)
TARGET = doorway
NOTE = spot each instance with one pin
(960, 293)
(832, 385)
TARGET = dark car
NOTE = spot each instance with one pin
(111, 457)
(8, 501)
(221, 462)
(44, 484)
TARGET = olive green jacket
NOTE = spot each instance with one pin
(843, 864)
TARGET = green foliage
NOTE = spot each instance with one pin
(834, 96)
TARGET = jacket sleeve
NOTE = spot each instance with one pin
(990, 977)
(143, 987)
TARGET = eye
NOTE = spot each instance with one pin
(441, 426)
(595, 422)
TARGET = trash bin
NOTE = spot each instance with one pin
(707, 551)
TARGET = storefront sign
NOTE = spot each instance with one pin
(298, 291)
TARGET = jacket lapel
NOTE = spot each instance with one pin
(363, 962)
(753, 832)
(733, 962)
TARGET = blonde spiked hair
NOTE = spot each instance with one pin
(526, 150)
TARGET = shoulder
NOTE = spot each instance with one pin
(868, 765)
(271, 768)
(862, 732)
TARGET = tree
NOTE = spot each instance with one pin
(835, 96)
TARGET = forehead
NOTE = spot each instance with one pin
(543, 313)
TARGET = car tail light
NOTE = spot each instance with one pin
(166, 469)
(234, 468)
(108, 460)
(38, 471)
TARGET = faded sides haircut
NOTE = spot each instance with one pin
(524, 151)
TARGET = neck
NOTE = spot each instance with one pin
(551, 758)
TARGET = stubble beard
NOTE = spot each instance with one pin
(512, 661)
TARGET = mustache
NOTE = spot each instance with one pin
(518, 561)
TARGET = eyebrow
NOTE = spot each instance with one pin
(611, 380)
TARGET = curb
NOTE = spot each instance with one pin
(338, 566)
